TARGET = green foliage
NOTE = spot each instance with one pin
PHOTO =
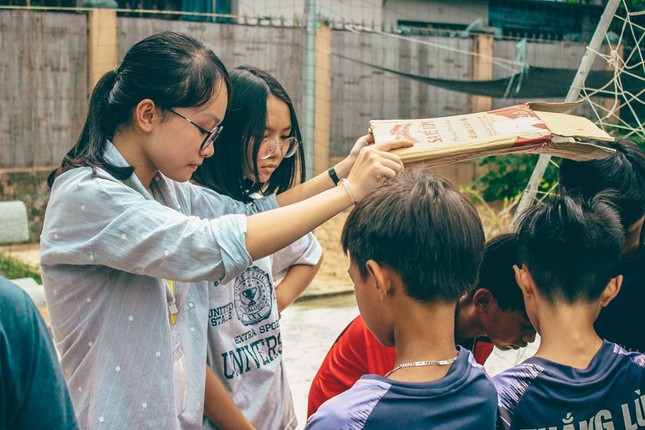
(496, 216)
(13, 268)
(507, 175)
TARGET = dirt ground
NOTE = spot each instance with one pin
(332, 276)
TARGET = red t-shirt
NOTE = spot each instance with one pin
(355, 353)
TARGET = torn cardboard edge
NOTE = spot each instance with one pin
(534, 128)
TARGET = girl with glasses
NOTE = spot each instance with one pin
(260, 153)
(129, 245)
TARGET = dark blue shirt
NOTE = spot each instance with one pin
(464, 399)
(541, 394)
(33, 394)
(622, 321)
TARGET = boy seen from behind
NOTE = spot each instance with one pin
(622, 173)
(415, 245)
(570, 252)
(492, 311)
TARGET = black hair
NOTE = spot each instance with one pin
(420, 226)
(172, 69)
(571, 246)
(244, 127)
(496, 273)
(623, 172)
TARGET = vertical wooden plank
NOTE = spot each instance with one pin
(482, 69)
(102, 44)
(323, 98)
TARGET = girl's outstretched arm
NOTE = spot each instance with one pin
(324, 181)
(270, 231)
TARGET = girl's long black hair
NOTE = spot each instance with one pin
(172, 69)
(240, 141)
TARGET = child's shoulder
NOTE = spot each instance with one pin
(536, 391)
(357, 402)
(634, 357)
(518, 378)
(548, 376)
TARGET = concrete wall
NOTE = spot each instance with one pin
(368, 12)
(46, 77)
(361, 93)
(565, 55)
(371, 13)
(453, 12)
(277, 50)
(46, 74)
(43, 90)
(30, 187)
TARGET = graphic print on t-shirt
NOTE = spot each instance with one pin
(253, 296)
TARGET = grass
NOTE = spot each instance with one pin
(13, 268)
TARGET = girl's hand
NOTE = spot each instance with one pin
(360, 143)
(345, 166)
(374, 165)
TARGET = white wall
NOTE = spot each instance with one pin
(370, 12)
(356, 11)
(452, 11)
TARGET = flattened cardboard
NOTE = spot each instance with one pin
(531, 128)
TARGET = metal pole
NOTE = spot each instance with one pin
(309, 75)
(574, 91)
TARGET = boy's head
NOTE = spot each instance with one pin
(420, 227)
(570, 249)
(497, 300)
(622, 172)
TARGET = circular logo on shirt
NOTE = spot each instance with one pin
(253, 299)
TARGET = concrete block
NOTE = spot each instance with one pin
(31, 287)
(14, 226)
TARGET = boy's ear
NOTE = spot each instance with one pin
(524, 280)
(611, 290)
(483, 299)
(381, 277)
(144, 112)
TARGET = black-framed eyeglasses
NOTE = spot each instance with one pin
(269, 146)
(211, 135)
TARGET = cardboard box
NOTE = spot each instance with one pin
(528, 128)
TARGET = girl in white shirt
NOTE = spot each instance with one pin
(259, 153)
(128, 245)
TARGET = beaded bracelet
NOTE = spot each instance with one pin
(333, 175)
(349, 190)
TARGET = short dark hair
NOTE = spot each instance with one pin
(243, 132)
(571, 246)
(496, 273)
(420, 226)
(172, 69)
(623, 172)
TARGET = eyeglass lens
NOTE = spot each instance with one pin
(270, 145)
(211, 137)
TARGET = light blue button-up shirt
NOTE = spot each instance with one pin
(107, 248)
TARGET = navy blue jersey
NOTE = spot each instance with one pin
(464, 399)
(541, 394)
